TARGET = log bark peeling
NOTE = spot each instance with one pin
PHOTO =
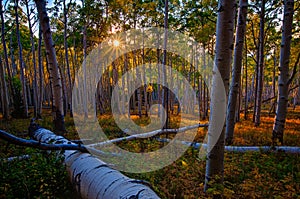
(92, 177)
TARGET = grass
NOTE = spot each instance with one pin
(246, 175)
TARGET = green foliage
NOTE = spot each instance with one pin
(42, 175)
(18, 102)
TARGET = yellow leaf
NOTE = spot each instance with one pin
(184, 163)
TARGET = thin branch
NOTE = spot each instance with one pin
(294, 69)
(253, 33)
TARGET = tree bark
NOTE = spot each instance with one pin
(92, 177)
(284, 79)
(67, 58)
(55, 78)
(10, 87)
(4, 92)
(21, 62)
(246, 82)
(85, 108)
(236, 74)
(35, 87)
(260, 74)
(41, 74)
(164, 72)
(224, 46)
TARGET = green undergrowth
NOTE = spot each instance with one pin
(246, 175)
(42, 175)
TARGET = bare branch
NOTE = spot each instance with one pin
(294, 69)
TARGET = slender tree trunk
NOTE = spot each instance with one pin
(204, 86)
(236, 74)
(64, 87)
(144, 78)
(255, 84)
(260, 82)
(284, 79)
(35, 87)
(12, 58)
(10, 87)
(164, 72)
(22, 67)
(138, 91)
(41, 75)
(224, 44)
(4, 92)
(159, 97)
(246, 81)
(85, 109)
(67, 59)
(55, 77)
(298, 92)
(273, 103)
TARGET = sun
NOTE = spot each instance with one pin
(116, 43)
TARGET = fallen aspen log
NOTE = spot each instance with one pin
(92, 177)
(241, 149)
(146, 135)
(16, 158)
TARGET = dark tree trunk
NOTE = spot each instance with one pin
(236, 74)
(260, 74)
(21, 63)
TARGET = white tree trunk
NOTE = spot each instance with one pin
(236, 74)
(92, 177)
(240, 149)
(55, 77)
(224, 42)
(284, 79)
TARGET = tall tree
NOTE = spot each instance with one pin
(164, 72)
(41, 75)
(5, 51)
(65, 13)
(35, 87)
(223, 56)
(4, 92)
(21, 61)
(55, 77)
(260, 69)
(284, 77)
(236, 73)
(85, 26)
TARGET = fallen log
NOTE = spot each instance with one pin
(92, 177)
(16, 158)
(241, 149)
(145, 135)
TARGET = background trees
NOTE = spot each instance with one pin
(36, 74)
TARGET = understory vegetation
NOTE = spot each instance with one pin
(246, 175)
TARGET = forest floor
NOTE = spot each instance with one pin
(246, 175)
